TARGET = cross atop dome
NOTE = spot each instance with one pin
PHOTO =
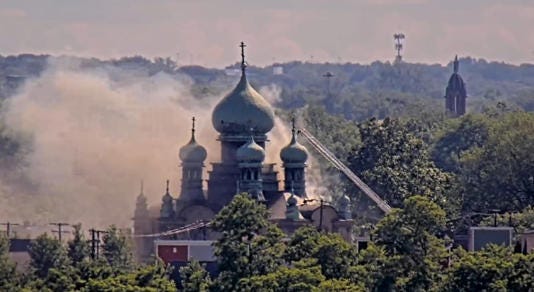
(243, 62)
(456, 64)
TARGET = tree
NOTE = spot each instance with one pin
(116, 249)
(78, 248)
(395, 163)
(194, 278)
(249, 245)
(409, 236)
(47, 253)
(8, 275)
(499, 174)
(285, 279)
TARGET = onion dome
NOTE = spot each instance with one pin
(294, 152)
(192, 151)
(250, 152)
(456, 84)
(243, 108)
(167, 208)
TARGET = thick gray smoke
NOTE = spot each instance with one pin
(95, 134)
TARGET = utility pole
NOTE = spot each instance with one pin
(59, 230)
(95, 242)
(321, 215)
(8, 226)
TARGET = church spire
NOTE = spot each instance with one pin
(456, 64)
(243, 62)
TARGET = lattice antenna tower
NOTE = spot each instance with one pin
(399, 39)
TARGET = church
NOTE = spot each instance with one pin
(243, 118)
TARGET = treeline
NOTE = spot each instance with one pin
(55, 266)
(408, 252)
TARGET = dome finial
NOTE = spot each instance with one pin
(243, 63)
(167, 190)
(141, 193)
(456, 64)
(193, 129)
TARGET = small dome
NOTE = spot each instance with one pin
(192, 151)
(250, 152)
(294, 152)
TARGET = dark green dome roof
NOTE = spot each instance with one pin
(250, 152)
(242, 109)
(294, 152)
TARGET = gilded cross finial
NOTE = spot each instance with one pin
(456, 64)
(243, 63)
(293, 124)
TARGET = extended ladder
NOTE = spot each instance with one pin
(383, 205)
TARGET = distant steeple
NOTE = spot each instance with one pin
(141, 206)
(455, 93)
(167, 206)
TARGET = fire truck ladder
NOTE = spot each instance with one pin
(383, 205)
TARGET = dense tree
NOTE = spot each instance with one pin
(409, 236)
(194, 277)
(47, 253)
(8, 275)
(499, 174)
(116, 249)
(395, 163)
(78, 247)
(249, 245)
(285, 279)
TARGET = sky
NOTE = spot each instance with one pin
(208, 32)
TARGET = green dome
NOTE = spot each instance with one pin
(242, 109)
(250, 152)
(294, 152)
(193, 152)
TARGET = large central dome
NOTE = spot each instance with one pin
(242, 109)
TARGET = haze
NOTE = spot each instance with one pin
(206, 32)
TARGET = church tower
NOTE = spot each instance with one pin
(294, 157)
(455, 94)
(250, 157)
(192, 156)
(167, 213)
(233, 117)
(142, 225)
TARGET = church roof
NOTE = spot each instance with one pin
(242, 109)
(192, 151)
(456, 85)
(250, 152)
(294, 152)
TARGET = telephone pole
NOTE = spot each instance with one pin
(60, 230)
(399, 38)
(328, 75)
(95, 242)
(8, 226)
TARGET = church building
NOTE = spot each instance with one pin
(243, 118)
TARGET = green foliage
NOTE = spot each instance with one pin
(395, 163)
(47, 253)
(194, 278)
(8, 275)
(498, 174)
(116, 249)
(492, 269)
(409, 236)
(249, 245)
(284, 279)
(78, 247)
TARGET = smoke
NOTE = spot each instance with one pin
(94, 135)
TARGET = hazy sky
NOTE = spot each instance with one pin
(207, 32)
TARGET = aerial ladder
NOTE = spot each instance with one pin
(383, 205)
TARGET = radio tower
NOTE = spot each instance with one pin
(399, 38)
